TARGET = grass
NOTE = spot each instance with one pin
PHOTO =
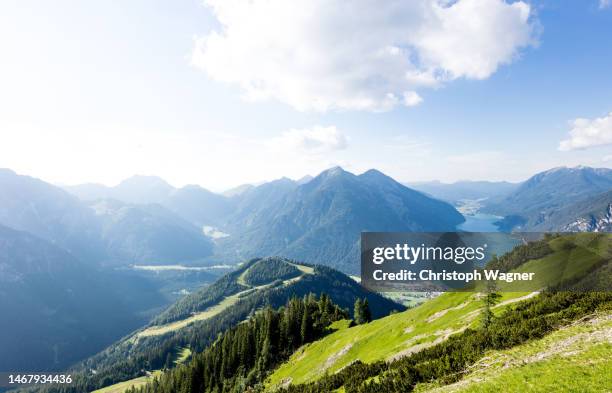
(219, 307)
(408, 299)
(208, 313)
(573, 359)
(304, 269)
(433, 321)
(383, 338)
(121, 387)
(182, 356)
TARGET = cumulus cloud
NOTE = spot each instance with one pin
(604, 4)
(587, 133)
(411, 98)
(315, 140)
(358, 55)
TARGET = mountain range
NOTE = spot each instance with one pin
(317, 220)
(320, 221)
(78, 246)
(102, 232)
(465, 190)
(541, 201)
(309, 219)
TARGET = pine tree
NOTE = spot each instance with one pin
(366, 313)
(168, 362)
(357, 316)
(306, 325)
(491, 298)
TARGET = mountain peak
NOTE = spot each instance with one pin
(375, 176)
(192, 188)
(7, 172)
(373, 173)
(143, 180)
(333, 171)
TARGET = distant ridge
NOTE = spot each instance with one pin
(547, 193)
(320, 221)
(465, 189)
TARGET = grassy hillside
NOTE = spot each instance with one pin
(582, 352)
(280, 269)
(121, 387)
(386, 338)
(434, 321)
(198, 319)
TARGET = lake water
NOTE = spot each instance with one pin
(479, 222)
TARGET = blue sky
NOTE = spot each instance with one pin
(97, 91)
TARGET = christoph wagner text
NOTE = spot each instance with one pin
(404, 252)
(429, 275)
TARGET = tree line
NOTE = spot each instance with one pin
(446, 362)
(242, 357)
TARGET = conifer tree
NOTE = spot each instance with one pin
(491, 298)
(306, 324)
(366, 313)
(357, 316)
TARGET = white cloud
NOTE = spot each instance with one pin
(315, 140)
(587, 133)
(603, 4)
(359, 55)
(411, 98)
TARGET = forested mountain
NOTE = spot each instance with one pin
(423, 348)
(55, 309)
(461, 190)
(235, 191)
(546, 193)
(316, 220)
(199, 205)
(258, 203)
(193, 203)
(59, 299)
(195, 321)
(31, 205)
(243, 356)
(592, 214)
(102, 232)
(148, 234)
(320, 221)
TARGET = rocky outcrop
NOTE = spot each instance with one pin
(592, 223)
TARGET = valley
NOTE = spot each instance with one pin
(193, 290)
